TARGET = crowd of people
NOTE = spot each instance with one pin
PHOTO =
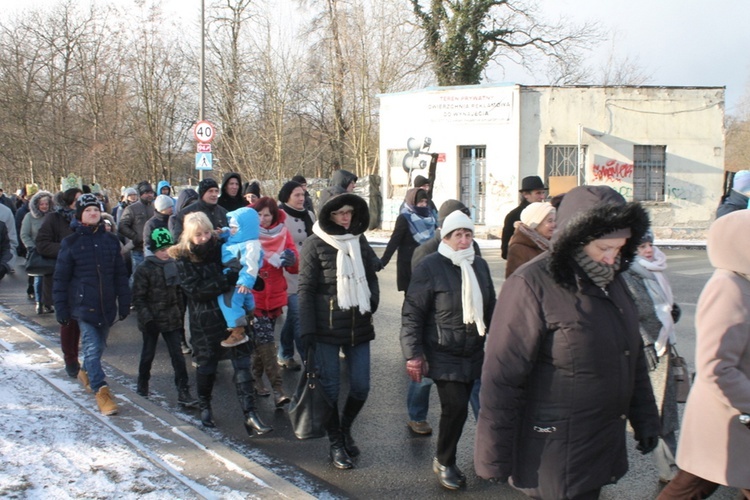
(578, 342)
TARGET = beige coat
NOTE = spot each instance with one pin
(713, 444)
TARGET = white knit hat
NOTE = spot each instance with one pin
(535, 213)
(163, 202)
(456, 220)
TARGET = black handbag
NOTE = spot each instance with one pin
(681, 375)
(310, 408)
(37, 265)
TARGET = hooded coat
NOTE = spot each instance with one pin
(32, 222)
(318, 305)
(163, 184)
(564, 367)
(735, 201)
(231, 203)
(133, 220)
(713, 443)
(186, 198)
(340, 180)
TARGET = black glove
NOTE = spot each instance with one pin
(63, 322)
(288, 258)
(646, 445)
(151, 328)
(259, 285)
(676, 312)
(382, 265)
(652, 360)
(232, 277)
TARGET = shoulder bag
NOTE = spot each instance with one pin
(681, 374)
(37, 265)
(310, 408)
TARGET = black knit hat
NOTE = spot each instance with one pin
(86, 200)
(300, 179)
(252, 187)
(69, 196)
(287, 189)
(205, 185)
(144, 187)
(420, 181)
(448, 207)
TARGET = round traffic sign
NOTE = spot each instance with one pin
(204, 131)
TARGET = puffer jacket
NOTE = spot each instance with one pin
(274, 294)
(202, 280)
(320, 315)
(432, 319)
(90, 281)
(564, 368)
(153, 299)
(55, 227)
(32, 221)
(133, 220)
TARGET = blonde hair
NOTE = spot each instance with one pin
(194, 223)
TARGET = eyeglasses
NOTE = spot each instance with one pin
(342, 212)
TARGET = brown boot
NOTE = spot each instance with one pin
(235, 338)
(268, 354)
(83, 377)
(257, 364)
(104, 399)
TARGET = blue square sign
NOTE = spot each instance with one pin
(204, 161)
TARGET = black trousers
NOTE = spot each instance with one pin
(172, 339)
(454, 408)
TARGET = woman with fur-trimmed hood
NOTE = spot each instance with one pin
(564, 368)
(39, 205)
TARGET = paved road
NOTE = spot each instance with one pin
(394, 462)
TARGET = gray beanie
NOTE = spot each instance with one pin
(163, 202)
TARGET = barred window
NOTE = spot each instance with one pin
(649, 172)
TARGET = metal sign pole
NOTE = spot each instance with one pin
(202, 104)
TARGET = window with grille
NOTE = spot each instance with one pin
(649, 172)
(473, 181)
(562, 161)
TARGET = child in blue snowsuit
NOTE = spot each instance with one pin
(242, 251)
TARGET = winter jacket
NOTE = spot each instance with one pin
(296, 227)
(216, 214)
(231, 202)
(521, 249)
(432, 323)
(509, 226)
(186, 198)
(274, 293)
(32, 222)
(163, 184)
(242, 250)
(401, 240)
(564, 367)
(8, 218)
(90, 281)
(55, 227)
(340, 180)
(735, 201)
(5, 253)
(153, 299)
(713, 444)
(202, 280)
(133, 220)
(431, 246)
(320, 315)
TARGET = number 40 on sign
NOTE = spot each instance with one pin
(204, 131)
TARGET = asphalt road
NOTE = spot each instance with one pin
(395, 463)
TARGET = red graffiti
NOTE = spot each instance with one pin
(613, 171)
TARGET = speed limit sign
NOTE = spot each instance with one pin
(204, 131)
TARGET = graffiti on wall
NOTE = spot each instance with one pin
(612, 171)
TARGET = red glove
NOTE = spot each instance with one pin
(416, 368)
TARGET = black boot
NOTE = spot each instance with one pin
(243, 381)
(339, 457)
(184, 398)
(142, 387)
(351, 410)
(205, 384)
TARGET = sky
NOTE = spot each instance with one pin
(676, 42)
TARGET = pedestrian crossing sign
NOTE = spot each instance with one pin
(204, 161)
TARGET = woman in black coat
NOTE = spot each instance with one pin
(447, 308)
(414, 226)
(338, 294)
(564, 367)
(198, 256)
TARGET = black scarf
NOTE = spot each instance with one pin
(299, 214)
(169, 267)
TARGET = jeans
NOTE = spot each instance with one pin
(289, 336)
(38, 289)
(418, 399)
(93, 342)
(358, 365)
(172, 338)
(136, 257)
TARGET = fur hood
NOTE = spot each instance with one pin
(588, 213)
(360, 217)
(34, 204)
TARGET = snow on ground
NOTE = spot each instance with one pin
(52, 448)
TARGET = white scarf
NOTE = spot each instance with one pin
(351, 282)
(662, 297)
(471, 294)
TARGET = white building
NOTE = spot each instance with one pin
(663, 146)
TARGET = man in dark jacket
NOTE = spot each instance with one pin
(134, 218)
(5, 254)
(342, 182)
(564, 366)
(231, 192)
(55, 227)
(532, 190)
(208, 193)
